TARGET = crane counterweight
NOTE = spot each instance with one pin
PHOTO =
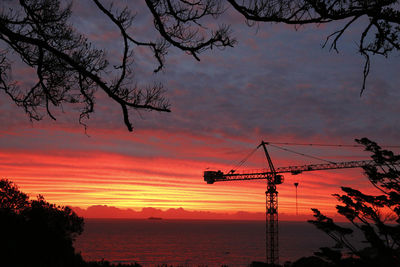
(211, 176)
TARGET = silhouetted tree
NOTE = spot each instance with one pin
(377, 217)
(69, 69)
(35, 232)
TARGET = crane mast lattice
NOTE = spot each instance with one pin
(274, 177)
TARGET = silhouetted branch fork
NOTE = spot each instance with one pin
(183, 36)
(123, 22)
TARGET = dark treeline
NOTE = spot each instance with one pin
(37, 233)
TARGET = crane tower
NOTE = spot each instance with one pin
(274, 177)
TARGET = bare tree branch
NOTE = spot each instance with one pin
(380, 36)
(68, 68)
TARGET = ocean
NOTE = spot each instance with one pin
(193, 242)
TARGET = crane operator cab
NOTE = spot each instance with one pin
(211, 176)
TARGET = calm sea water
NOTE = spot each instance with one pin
(193, 243)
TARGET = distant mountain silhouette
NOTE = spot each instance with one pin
(104, 211)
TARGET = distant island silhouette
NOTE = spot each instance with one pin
(155, 218)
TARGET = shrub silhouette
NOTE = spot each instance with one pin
(35, 232)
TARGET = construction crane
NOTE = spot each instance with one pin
(274, 177)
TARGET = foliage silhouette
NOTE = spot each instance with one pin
(35, 232)
(377, 217)
(70, 70)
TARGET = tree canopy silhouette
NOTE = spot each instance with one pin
(35, 232)
(69, 69)
(377, 217)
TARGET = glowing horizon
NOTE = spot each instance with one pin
(90, 177)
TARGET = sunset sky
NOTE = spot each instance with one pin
(277, 85)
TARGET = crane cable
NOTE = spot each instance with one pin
(298, 153)
(240, 163)
(274, 144)
(331, 145)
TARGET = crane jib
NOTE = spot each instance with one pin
(218, 176)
